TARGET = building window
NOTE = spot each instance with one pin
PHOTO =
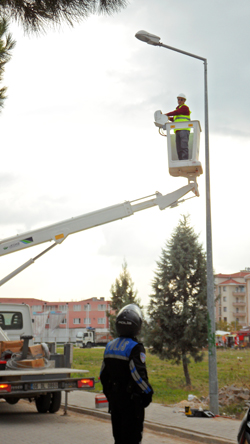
(87, 321)
(62, 307)
(241, 288)
(225, 319)
(237, 310)
(224, 299)
(219, 311)
(64, 321)
(219, 290)
(101, 320)
(76, 321)
(51, 307)
(76, 307)
(224, 308)
(37, 308)
(224, 288)
(87, 307)
(101, 307)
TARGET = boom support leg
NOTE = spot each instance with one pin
(25, 265)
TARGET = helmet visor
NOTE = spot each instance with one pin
(132, 307)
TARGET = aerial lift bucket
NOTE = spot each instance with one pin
(190, 168)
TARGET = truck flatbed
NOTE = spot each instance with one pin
(49, 371)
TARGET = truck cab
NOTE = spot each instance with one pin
(85, 339)
(15, 321)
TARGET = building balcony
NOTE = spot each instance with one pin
(240, 314)
(239, 304)
(239, 293)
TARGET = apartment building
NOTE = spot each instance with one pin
(90, 312)
(232, 296)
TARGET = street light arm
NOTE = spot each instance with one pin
(182, 52)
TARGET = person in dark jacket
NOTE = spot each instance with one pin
(124, 378)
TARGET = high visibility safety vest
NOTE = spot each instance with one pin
(181, 118)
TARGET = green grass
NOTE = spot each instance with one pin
(168, 379)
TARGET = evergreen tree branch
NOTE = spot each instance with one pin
(6, 46)
(36, 15)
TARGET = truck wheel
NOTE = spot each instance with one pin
(12, 401)
(55, 402)
(89, 345)
(43, 403)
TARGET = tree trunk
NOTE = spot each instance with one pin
(185, 369)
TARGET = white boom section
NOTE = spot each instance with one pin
(59, 231)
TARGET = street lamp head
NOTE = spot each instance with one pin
(145, 36)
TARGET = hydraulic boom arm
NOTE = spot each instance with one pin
(59, 231)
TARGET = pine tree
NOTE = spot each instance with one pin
(123, 293)
(178, 309)
(35, 15)
(6, 45)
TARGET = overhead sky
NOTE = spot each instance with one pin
(78, 134)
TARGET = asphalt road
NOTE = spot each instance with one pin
(22, 424)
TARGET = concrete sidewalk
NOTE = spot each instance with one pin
(168, 420)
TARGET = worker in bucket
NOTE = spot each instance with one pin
(181, 114)
(124, 378)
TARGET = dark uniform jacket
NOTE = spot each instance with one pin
(123, 373)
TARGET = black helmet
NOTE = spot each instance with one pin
(128, 321)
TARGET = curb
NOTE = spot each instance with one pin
(157, 427)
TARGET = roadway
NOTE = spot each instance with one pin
(21, 423)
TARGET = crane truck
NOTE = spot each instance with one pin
(30, 371)
(44, 384)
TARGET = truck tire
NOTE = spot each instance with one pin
(12, 401)
(43, 403)
(89, 345)
(55, 402)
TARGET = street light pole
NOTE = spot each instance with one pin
(154, 40)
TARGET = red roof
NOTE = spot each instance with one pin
(240, 274)
(230, 281)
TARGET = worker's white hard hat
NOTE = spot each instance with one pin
(181, 96)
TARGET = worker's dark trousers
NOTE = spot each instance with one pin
(182, 138)
(127, 422)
